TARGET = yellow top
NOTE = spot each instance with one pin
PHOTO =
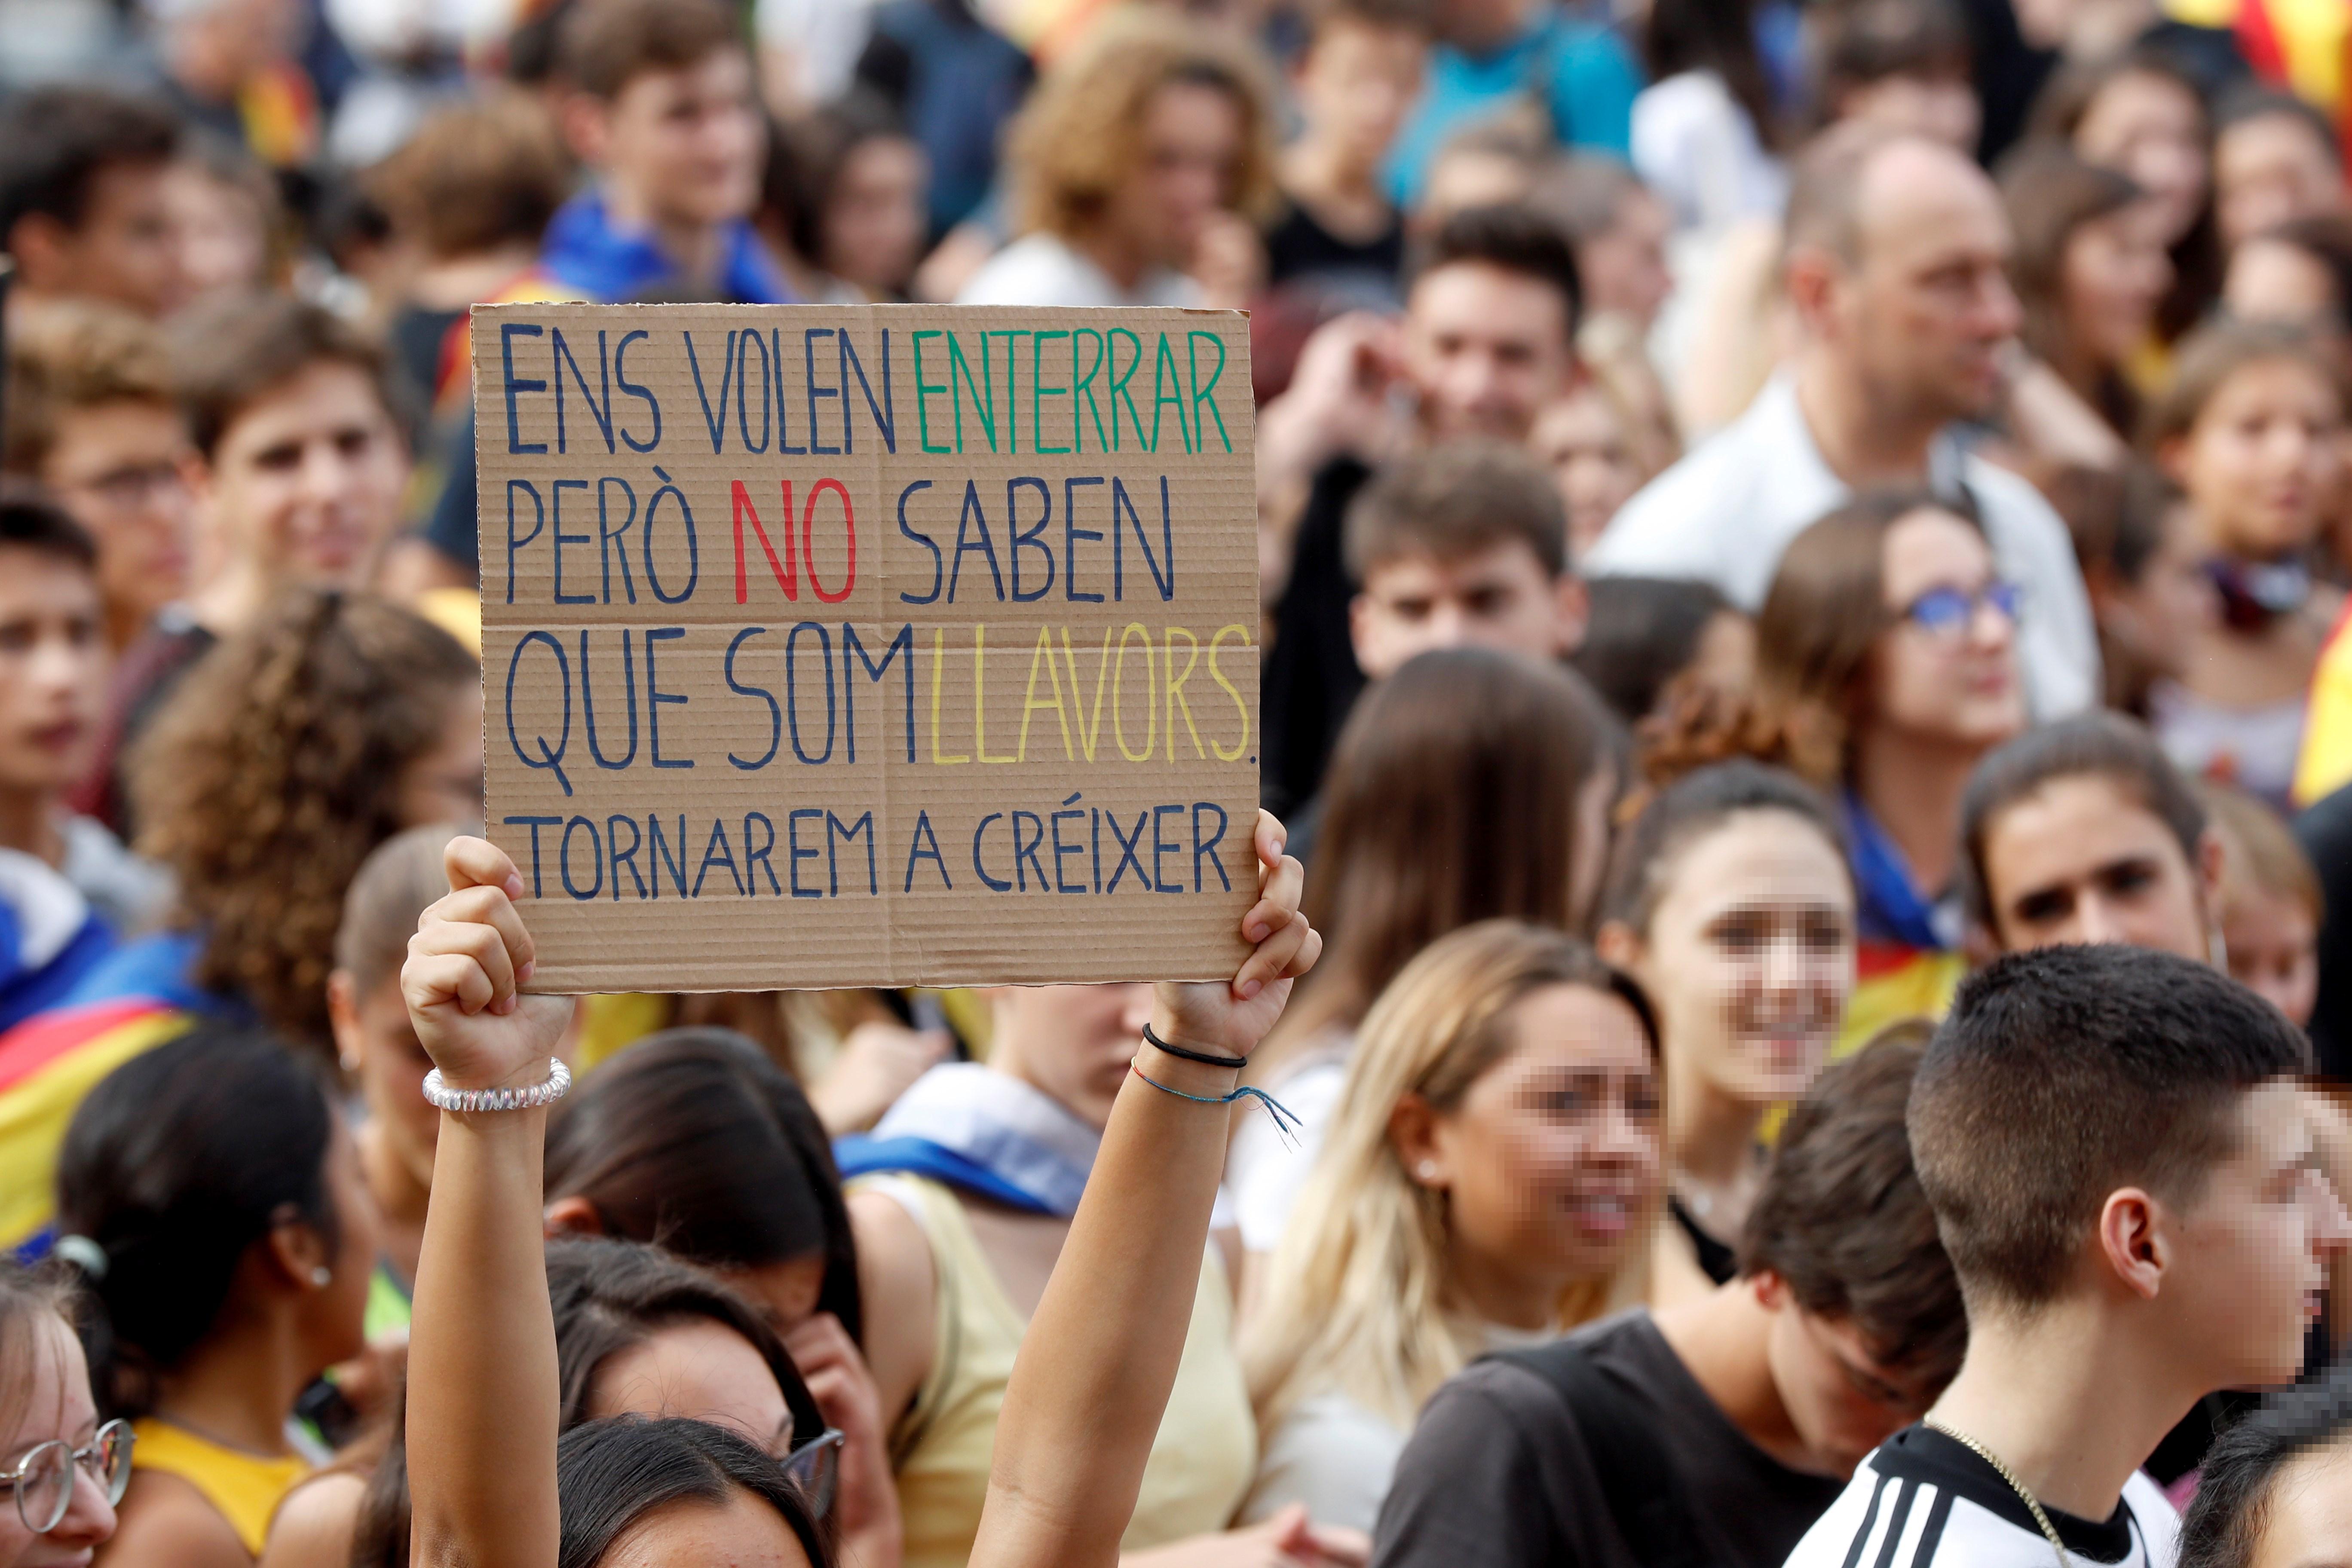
(1202, 1460)
(244, 1488)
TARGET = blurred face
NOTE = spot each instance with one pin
(1843, 1400)
(1500, 597)
(876, 222)
(224, 248)
(57, 1407)
(2274, 947)
(1623, 268)
(1189, 157)
(2251, 1253)
(2159, 618)
(2269, 169)
(373, 1031)
(1071, 1042)
(445, 784)
(2111, 280)
(743, 1531)
(701, 1369)
(2082, 860)
(1927, 310)
(121, 469)
(1552, 1159)
(785, 1291)
(681, 148)
(2270, 281)
(1357, 82)
(1487, 350)
(1940, 108)
(1952, 684)
(305, 484)
(2151, 128)
(2262, 461)
(1465, 179)
(124, 251)
(53, 663)
(2306, 1515)
(338, 1310)
(1749, 956)
(1587, 447)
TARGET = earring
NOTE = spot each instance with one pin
(322, 1277)
(1426, 1169)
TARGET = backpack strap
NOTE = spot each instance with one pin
(1647, 1497)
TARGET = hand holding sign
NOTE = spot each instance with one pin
(1233, 1016)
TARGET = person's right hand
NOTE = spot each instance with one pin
(1285, 1540)
(878, 1062)
(469, 956)
(1343, 381)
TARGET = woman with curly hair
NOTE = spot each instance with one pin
(287, 755)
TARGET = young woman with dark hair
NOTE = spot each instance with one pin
(489, 1481)
(1729, 900)
(1469, 784)
(1885, 665)
(63, 1469)
(210, 1198)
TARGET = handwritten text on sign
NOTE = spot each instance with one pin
(835, 645)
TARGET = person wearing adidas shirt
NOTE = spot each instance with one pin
(2118, 1148)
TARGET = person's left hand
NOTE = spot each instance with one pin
(1230, 1017)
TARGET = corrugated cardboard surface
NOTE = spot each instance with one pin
(1038, 785)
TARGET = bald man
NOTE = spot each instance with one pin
(1894, 266)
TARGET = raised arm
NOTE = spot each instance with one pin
(482, 1403)
(1079, 1415)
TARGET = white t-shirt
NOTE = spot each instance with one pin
(1045, 270)
(1922, 1501)
(1697, 149)
(1727, 511)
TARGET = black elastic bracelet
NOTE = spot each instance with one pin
(1153, 1040)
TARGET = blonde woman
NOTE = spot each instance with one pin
(1491, 1173)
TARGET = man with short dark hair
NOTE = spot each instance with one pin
(664, 108)
(82, 206)
(1487, 339)
(1895, 266)
(2119, 1149)
(1715, 1431)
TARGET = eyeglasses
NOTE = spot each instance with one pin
(814, 1468)
(1950, 612)
(43, 1480)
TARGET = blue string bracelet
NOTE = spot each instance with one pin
(1285, 1120)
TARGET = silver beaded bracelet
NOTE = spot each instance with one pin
(528, 1097)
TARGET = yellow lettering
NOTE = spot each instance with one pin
(939, 680)
(1219, 675)
(1176, 697)
(1029, 704)
(980, 696)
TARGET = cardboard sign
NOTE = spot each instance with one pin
(869, 645)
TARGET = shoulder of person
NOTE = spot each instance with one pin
(165, 1523)
(894, 1265)
(2158, 1520)
(1031, 270)
(314, 1525)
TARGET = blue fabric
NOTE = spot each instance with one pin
(1585, 75)
(1892, 908)
(584, 250)
(156, 968)
(861, 1155)
(24, 990)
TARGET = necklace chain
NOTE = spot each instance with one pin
(2049, 1531)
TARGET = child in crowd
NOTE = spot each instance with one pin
(2143, 566)
(1730, 901)
(1340, 233)
(1647, 636)
(211, 1201)
(1715, 1431)
(67, 888)
(84, 208)
(2275, 159)
(2299, 272)
(1901, 64)
(2251, 430)
(94, 420)
(1490, 1176)
(1466, 544)
(663, 108)
(2270, 903)
(1617, 229)
(1469, 785)
(1609, 436)
(227, 218)
(2084, 831)
(856, 226)
(2118, 1150)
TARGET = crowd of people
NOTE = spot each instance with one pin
(1803, 961)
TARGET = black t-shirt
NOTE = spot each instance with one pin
(1312, 679)
(1298, 249)
(1498, 1472)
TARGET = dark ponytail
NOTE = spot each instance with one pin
(179, 1160)
(694, 1141)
